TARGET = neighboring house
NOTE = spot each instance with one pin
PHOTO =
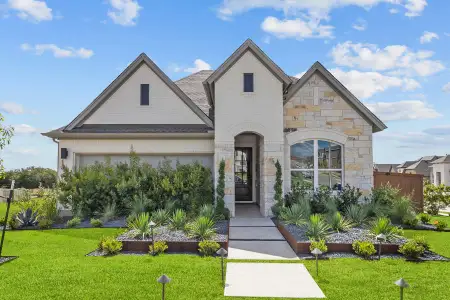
(440, 171)
(421, 166)
(385, 168)
(248, 113)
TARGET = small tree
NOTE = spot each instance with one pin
(6, 133)
(436, 197)
(220, 209)
(278, 187)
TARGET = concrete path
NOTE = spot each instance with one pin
(270, 280)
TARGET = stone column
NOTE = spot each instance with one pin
(225, 151)
(271, 153)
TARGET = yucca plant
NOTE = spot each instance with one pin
(178, 220)
(317, 228)
(27, 218)
(109, 212)
(160, 217)
(139, 204)
(338, 223)
(383, 226)
(357, 214)
(140, 225)
(207, 210)
(202, 228)
(297, 214)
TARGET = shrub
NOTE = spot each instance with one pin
(2, 221)
(48, 207)
(12, 222)
(339, 223)
(160, 247)
(317, 228)
(357, 214)
(178, 220)
(96, 223)
(111, 246)
(45, 223)
(299, 192)
(402, 209)
(440, 225)
(278, 188)
(297, 214)
(347, 197)
(30, 177)
(410, 221)
(364, 248)
(140, 225)
(321, 197)
(109, 212)
(421, 240)
(208, 248)
(425, 218)
(207, 210)
(435, 197)
(411, 249)
(160, 217)
(320, 244)
(221, 211)
(384, 226)
(100, 243)
(139, 204)
(27, 218)
(202, 228)
(74, 222)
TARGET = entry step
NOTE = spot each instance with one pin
(251, 222)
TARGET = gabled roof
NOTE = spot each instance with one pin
(248, 45)
(192, 86)
(386, 167)
(406, 164)
(122, 78)
(377, 124)
(444, 159)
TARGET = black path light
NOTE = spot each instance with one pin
(316, 252)
(222, 252)
(402, 284)
(8, 200)
(164, 280)
(380, 238)
(152, 224)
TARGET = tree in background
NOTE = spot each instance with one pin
(6, 133)
(30, 178)
(436, 197)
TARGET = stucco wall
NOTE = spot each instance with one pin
(316, 110)
(123, 107)
(445, 173)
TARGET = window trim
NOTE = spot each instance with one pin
(253, 82)
(316, 169)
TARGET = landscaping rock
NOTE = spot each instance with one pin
(5, 259)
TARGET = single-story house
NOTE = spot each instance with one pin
(440, 171)
(248, 113)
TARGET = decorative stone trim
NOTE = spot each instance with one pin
(320, 134)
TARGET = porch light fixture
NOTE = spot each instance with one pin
(402, 284)
(380, 238)
(164, 280)
(222, 252)
(8, 200)
(152, 224)
(316, 252)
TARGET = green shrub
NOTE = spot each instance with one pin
(347, 197)
(384, 226)
(221, 211)
(317, 228)
(111, 246)
(320, 244)
(410, 221)
(2, 221)
(48, 205)
(207, 210)
(364, 248)
(402, 209)
(96, 223)
(435, 197)
(440, 225)
(203, 228)
(278, 188)
(178, 220)
(357, 214)
(300, 191)
(321, 197)
(297, 214)
(421, 240)
(160, 217)
(140, 225)
(411, 249)
(74, 222)
(109, 212)
(100, 243)
(339, 223)
(160, 247)
(425, 218)
(12, 222)
(139, 204)
(45, 223)
(208, 248)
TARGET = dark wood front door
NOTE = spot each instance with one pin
(243, 178)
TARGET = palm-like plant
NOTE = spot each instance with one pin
(357, 214)
(140, 225)
(297, 214)
(139, 204)
(202, 228)
(339, 223)
(178, 220)
(383, 226)
(207, 210)
(160, 217)
(27, 217)
(317, 228)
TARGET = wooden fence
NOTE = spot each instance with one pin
(5, 193)
(409, 185)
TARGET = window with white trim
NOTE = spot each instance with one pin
(317, 163)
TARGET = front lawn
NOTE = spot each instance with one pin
(52, 265)
(445, 219)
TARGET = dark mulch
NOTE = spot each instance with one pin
(5, 259)
(118, 223)
(422, 226)
(428, 256)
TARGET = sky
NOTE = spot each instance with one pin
(394, 55)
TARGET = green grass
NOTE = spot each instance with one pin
(446, 219)
(52, 265)
(13, 209)
(439, 240)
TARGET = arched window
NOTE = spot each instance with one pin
(317, 163)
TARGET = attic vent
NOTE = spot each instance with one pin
(145, 94)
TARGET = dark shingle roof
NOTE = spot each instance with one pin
(140, 128)
(385, 167)
(406, 164)
(192, 86)
(444, 159)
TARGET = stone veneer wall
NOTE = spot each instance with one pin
(317, 106)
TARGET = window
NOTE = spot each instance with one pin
(248, 82)
(145, 94)
(317, 163)
(438, 178)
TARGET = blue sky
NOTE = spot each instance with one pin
(394, 55)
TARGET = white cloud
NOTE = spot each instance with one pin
(394, 11)
(397, 59)
(24, 129)
(366, 84)
(428, 36)
(12, 108)
(446, 88)
(403, 110)
(58, 52)
(360, 25)
(199, 65)
(415, 7)
(24, 151)
(438, 130)
(296, 28)
(125, 12)
(33, 10)
(411, 139)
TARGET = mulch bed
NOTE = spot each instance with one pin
(428, 256)
(5, 259)
(421, 226)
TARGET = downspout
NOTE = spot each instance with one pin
(57, 157)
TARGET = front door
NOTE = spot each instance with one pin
(243, 174)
